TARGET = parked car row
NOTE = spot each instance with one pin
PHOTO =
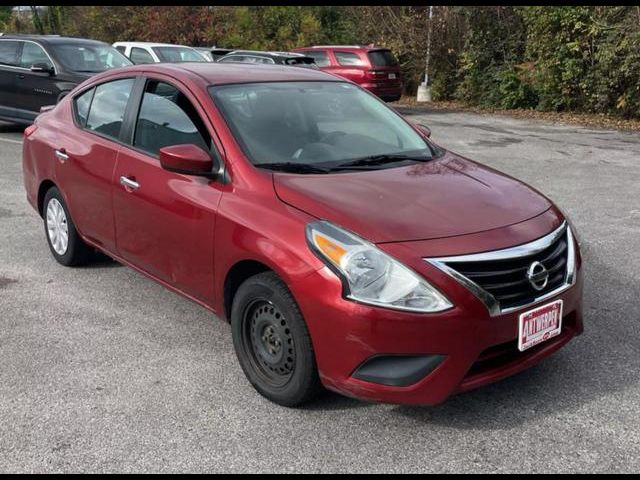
(39, 70)
(371, 67)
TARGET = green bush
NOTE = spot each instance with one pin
(494, 45)
(515, 91)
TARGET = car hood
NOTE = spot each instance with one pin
(442, 198)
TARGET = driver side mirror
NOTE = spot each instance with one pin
(426, 131)
(42, 68)
(187, 159)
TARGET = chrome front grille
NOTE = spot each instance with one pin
(509, 279)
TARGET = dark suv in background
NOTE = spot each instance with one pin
(371, 67)
(39, 70)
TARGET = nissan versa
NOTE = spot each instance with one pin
(346, 249)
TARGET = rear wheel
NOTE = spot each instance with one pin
(64, 242)
(272, 341)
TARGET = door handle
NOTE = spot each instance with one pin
(128, 183)
(20, 76)
(61, 155)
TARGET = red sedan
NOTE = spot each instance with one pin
(346, 249)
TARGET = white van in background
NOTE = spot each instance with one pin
(147, 52)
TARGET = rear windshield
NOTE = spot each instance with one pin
(382, 58)
(178, 54)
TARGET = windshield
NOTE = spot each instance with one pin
(89, 58)
(327, 124)
(178, 54)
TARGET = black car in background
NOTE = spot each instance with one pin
(214, 54)
(278, 58)
(39, 70)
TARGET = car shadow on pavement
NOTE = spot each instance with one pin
(601, 362)
(333, 402)
(11, 128)
(99, 261)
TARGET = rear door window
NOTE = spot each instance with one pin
(348, 58)
(108, 106)
(34, 54)
(166, 118)
(320, 56)
(9, 52)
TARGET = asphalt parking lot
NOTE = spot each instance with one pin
(103, 370)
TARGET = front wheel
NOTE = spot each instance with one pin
(272, 342)
(66, 245)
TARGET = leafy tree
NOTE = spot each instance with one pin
(5, 15)
(572, 58)
(492, 69)
(561, 44)
(37, 22)
(286, 27)
(615, 79)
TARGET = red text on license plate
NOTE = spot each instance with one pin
(539, 325)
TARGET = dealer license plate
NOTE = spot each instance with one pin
(539, 325)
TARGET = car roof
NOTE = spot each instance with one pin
(367, 48)
(266, 54)
(217, 49)
(213, 73)
(52, 39)
(150, 44)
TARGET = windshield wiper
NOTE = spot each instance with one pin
(379, 160)
(291, 167)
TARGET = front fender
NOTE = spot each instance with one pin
(268, 232)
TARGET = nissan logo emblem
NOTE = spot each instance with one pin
(537, 275)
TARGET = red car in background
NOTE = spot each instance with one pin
(345, 248)
(373, 68)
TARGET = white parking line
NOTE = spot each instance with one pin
(11, 140)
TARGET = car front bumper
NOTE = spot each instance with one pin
(461, 349)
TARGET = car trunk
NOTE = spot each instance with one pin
(384, 67)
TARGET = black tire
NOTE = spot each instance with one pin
(77, 252)
(264, 313)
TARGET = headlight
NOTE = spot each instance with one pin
(370, 275)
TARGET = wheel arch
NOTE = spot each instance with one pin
(44, 187)
(236, 276)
